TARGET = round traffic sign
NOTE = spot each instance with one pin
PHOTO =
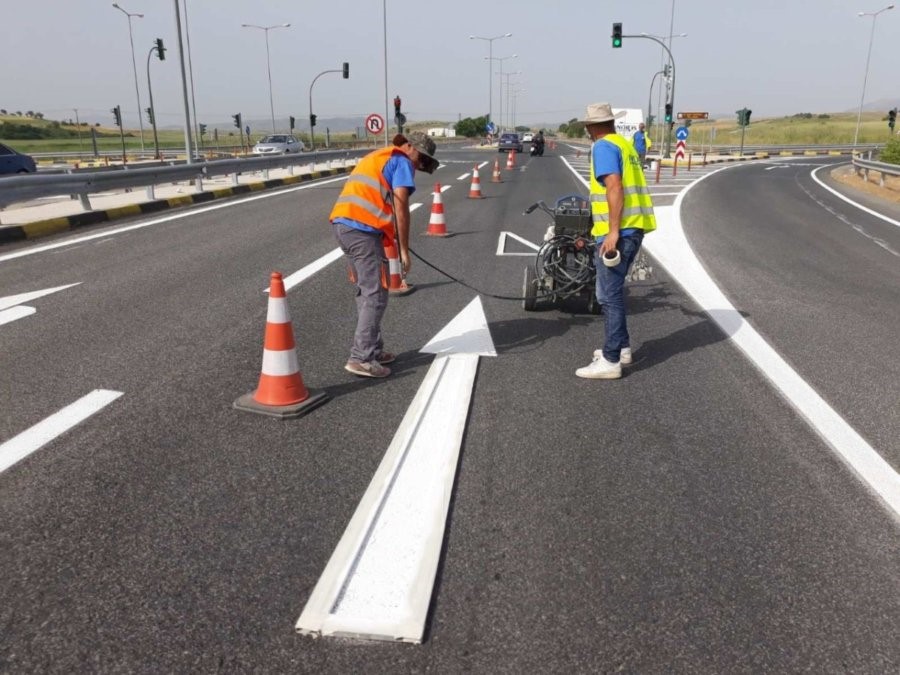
(374, 123)
(681, 133)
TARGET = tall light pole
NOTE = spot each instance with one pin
(515, 95)
(501, 59)
(507, 76)
(78, 126)
(266, 30)
(874, 16)
(490, 41)
(665, 72)
(134, 67)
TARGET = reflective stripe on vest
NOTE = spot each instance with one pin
(366, 197)
(637, 210)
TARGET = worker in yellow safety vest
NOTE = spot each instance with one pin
(622, 213)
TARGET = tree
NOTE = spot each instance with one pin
(2, 111)
(471, 127)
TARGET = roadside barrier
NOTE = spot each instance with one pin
(437, 226)
(475, 187)
(281, 392)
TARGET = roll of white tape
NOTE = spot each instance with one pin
(611, 258)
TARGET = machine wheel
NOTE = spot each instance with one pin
(594, 307)
(529, 291)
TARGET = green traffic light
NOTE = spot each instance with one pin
(617, 42)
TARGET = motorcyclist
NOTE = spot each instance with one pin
(537, 143)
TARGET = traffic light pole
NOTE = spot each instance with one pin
(152, 109)
(312, 129)
(671, 101)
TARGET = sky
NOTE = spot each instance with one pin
(777, 57)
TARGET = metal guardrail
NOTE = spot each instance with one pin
(863, 166)
(24, 188)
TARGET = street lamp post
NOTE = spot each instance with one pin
(874, 16)
(134, 67)
(266, 30)
(508, 109)
(501, 59)
(650, 95)
(490, 41)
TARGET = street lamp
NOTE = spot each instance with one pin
(515, 95)
(134, 67)
(266, 30)
(508, 109)
(501, 59)
(490, 41)
(874, 16)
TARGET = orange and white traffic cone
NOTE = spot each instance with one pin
(281, 392)
(437, 226)
(495, 177)
(511, 160)
(396, 283)
(475, 188)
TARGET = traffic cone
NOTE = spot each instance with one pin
(281, 392)
(396, 283)
(495, 177)
(475, 188)
(511, 160)
(437, 227)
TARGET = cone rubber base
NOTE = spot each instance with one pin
(315, 399)
(438, 234)
(405, 289)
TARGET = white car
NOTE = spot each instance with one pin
(527, 137)
(278, 144)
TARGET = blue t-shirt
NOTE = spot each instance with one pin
(640, 142)
(607, 160)
(398, 172)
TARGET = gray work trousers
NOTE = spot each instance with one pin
(368, 262)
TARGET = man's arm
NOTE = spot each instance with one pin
(615, 199)
(401, 211)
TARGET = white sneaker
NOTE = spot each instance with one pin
(625, 357)
(600, 369)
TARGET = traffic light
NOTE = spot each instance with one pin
(740, 117)
(668, 112)
(237, 120)
(346, 70)
(687, 123)
(149, 112)
(160, 50)
(397, 104)
(202, 128)
(292, 122)
(312, 120)
(117, 114)
(747, 112)
(892, 118)
(617, 35)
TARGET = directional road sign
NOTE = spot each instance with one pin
(693, 115)
(681, 133)
(374, 123)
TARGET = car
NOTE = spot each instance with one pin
(527, 137)
(12, 161)
(510, 141)
(278, 144)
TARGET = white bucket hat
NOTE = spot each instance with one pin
(601, 112)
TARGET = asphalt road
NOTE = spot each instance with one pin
(682, 518)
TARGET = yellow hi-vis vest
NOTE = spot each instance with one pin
(366, 197)
(638, 208)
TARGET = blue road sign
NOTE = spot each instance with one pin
(681, 133)
(491, 128)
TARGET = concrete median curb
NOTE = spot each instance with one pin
(42, 228)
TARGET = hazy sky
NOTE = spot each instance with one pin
(777, 57)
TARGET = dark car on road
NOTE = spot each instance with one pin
(15, 162)
(510, 141)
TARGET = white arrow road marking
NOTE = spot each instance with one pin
(11, 309)
(378, 582)
(19, 447)
(501, 244)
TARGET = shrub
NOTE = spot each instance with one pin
(891, 152)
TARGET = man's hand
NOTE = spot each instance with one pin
(405, 261)
(609, 243)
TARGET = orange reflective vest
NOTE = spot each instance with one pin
(366, 197)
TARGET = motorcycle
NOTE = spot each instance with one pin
(537, 148)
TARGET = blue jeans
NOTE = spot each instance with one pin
(611, 294)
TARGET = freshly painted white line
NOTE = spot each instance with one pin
(378, 582)
(501, 244)
(13, 300)
(444, 188)
(156, 221)
(15, 313)
(463, 177)
(19, 447)
(305, 273)
(482, 165)
(413, 207)
(670, 247)
(850, 201)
